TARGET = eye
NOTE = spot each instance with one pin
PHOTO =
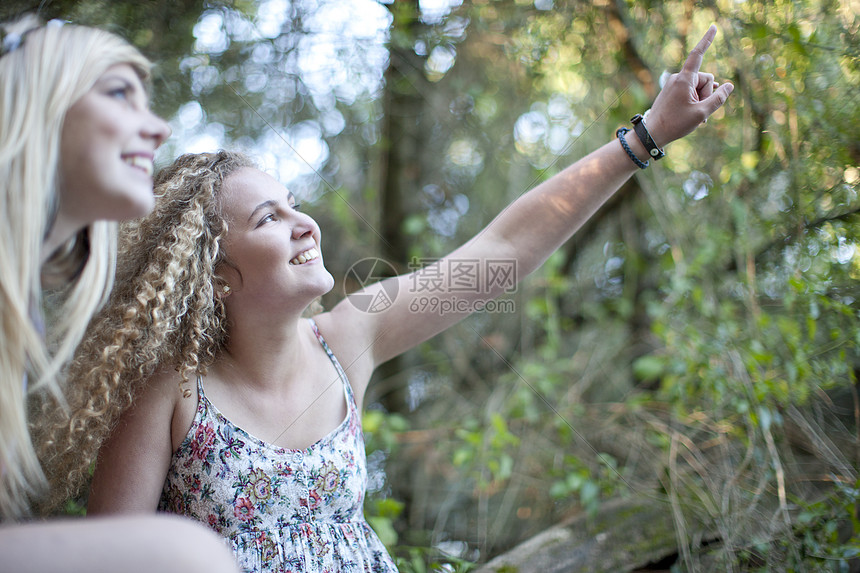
(122, 92)
(267, 219)
(296, 206)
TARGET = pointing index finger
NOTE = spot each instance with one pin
(694, 60)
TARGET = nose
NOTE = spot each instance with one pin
(156, 128)
(305, 226)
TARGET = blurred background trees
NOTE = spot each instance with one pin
(695, 344)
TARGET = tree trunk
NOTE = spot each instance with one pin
(400, 168)
(626, 534)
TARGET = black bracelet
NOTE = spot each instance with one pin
(641, 130)
(620, 135)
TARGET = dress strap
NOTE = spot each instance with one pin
(340, 371)
(204, 407)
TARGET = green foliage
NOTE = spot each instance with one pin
(591, 487)
(825, 537)
(423, 560)
(382, 429)
(75, 507)
(381, 514)
(486, 450)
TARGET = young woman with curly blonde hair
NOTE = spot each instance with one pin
(77, 140)
(262, 438)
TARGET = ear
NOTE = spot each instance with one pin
(223, 291)
(227, 280)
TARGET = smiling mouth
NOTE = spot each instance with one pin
(306, 256)
(145, 164)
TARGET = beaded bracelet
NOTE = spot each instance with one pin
(620, 135)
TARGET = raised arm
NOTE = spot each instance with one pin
(528, 231)
(536, 224)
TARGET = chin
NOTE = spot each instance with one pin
(324, 288)
(137, 205)
(330, 282)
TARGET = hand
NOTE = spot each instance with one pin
(688, 98)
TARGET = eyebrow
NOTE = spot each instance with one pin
(261, 206)
(113, 75)
(270, 203)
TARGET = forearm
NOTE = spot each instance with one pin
(536, 224)
(134, 544)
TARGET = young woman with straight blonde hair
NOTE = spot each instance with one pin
(77, 143)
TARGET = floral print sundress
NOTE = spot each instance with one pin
(280, 510)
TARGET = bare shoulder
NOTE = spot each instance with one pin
(163, 401)
(171, 396)
(161, 389)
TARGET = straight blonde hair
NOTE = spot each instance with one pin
(40, 79)
(163, 313)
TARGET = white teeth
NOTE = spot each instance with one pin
(141, 163)
(308, 255)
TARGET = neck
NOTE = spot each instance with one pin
(61, 231)
(264, 356)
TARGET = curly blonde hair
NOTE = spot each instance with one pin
(163, 313)
(41, 77)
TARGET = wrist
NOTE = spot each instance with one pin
(643, 134)
(655, 128)
(628, 141)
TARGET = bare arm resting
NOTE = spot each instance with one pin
(110, 545)
(132, 463)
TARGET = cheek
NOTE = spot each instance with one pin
(83, 180)
(78, 138)
(77, 171)
(95, 129)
